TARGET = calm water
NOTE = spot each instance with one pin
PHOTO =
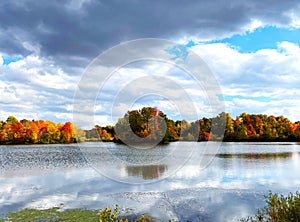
(164, 181)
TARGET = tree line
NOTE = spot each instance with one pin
(152, 124)
(245, 127)
(25, 131)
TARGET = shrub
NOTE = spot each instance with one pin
(279, 209)
(107, 215)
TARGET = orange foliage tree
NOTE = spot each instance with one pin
(31, 132)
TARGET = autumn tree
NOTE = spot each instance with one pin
(149, 123)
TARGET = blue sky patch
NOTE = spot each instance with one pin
(261, 38)
(191, 43)
(7, 60)
(260, 99)
(179, 52)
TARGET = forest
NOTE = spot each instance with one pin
(152, 124)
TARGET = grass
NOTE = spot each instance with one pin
(75, 215)
(52, 215)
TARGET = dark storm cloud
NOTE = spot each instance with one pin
(71, 34)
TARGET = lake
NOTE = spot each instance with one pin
(180, 181)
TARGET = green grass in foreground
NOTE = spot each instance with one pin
(53, 215)
(74, 215)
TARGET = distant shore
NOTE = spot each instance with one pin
(151, 124)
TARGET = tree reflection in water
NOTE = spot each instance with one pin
(148, 172)
(256, 155)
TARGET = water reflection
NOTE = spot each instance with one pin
(24, 160)
(232, 185)
(148, 172)
(256, 155)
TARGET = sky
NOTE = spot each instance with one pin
(251, 48)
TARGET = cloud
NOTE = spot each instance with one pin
(58, 40)
(262, 82)
(34, 88)
(85, 28)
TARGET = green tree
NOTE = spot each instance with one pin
(11, 120)
(229, 131)
(218, 126)
(149, 123)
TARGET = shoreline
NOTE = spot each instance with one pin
(198, 203)
(163, 143)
